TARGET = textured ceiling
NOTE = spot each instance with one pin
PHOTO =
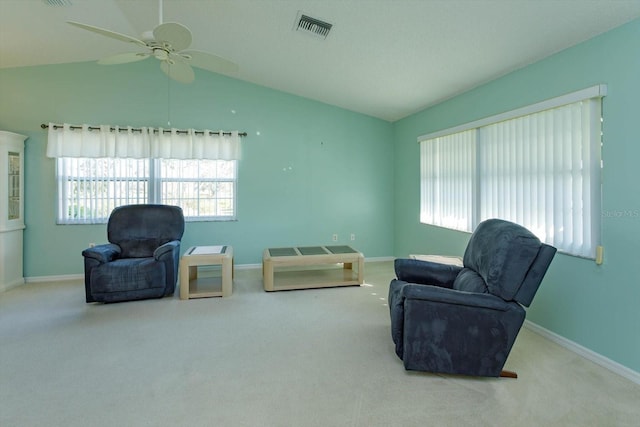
(384, 58)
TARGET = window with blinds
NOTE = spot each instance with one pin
(90, 188)
(448, 178)
(539, 167)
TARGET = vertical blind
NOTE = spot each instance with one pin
(541, 170)
(448, 168)
(90, 188)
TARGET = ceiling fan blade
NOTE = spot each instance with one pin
(108, 33)
(209, 61)
(176, 35)
(179, 71)
(123, 58)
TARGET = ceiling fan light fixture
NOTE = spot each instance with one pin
(160, 54)
(147, 36)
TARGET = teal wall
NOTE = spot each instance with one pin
(308, 169)
(595, 306)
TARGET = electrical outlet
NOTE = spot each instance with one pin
(334, 237)
(353, 236)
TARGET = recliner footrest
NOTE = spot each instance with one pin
(128, 279)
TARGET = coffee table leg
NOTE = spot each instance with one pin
(267, 275)
(184, 279)
(227, 277)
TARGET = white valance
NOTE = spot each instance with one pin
(140, 143)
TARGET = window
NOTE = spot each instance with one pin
(447, 167)
(203, 188)
(102, 167)
(538, 166)
(89, 188)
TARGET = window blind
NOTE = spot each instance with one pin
(541, 170)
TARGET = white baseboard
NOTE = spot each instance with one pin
(247, 266)
(596, 358)
(6, 286)
(259, 266)
(380, 259)
(43, 279)
(61, 278)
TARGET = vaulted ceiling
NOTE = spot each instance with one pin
(384, 58)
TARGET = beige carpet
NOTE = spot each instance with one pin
(297, 358)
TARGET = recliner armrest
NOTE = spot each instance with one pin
(167, 248)
(426, 272)
(103, 253)
(452, 296)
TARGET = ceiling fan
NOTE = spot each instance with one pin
(167, 43)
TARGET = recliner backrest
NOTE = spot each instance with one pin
(535, 274)
(502, 254)
(140, 229)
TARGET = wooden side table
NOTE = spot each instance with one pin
(193, 287)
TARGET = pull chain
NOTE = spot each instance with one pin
(169, 98)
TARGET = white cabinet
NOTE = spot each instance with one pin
(11, 209)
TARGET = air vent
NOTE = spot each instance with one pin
(309, 25)
(57, 2)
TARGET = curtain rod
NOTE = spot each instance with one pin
(198, 132)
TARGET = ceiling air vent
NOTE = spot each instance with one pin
(57, 2)
(309, 25)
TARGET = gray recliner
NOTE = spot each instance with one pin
(141, 259)
(464, 320)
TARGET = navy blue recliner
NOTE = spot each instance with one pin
(141, 259)
(464, 320)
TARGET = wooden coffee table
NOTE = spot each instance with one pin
(304, 267)
(193, 287)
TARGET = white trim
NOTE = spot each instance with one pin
(61, 278)
(380, 259)
(596, 358)
(247, 266)
(6, 286)
(256, 266)
(580, 95)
